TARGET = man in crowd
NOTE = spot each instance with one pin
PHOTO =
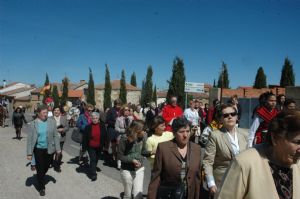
(170, 112)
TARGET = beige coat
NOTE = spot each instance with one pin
(219, 153)
(249, 177)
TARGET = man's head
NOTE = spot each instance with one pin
(173, 101)
(118, 104)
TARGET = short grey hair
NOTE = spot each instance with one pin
(95, 114)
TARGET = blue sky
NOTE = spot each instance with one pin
(68, 36)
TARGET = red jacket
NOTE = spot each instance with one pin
(170, 112)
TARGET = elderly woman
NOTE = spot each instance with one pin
(62, 128)
(177, 164)
(223, 145)
(42, 142)
(158, 135)
(93, 142)
(131, 149)
(269, 170)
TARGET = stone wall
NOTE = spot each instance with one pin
(293, 92)
(132, 96)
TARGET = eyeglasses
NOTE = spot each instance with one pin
(90, 110)
(226, 115)
(126, 109)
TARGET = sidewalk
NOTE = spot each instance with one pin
(17, 181)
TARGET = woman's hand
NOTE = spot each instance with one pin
(213, 189)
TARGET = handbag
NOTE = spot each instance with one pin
(171, 191)
(76, 136)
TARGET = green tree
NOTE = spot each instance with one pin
(123, 91)
(154, 95)
(65, 90)
(133, 79)
(177, 82)
(91, 89)
(55, 95)
(143, 94)
(223, 81)
(148, 87)
(260, 79)
(107, 89)
(287, 74)
(214, 86)
(47, 92)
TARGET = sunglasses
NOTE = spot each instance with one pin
(226, 115)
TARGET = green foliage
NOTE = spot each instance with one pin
(177, 82)
(287, 74)
(223, 81)
(142, 100)
(47, 80)
(123, 91)
(260, 79)
(148, 87)
(91, 89)
(55, 95)
(65, 90)
(107, 89)
(215, 86)
(154, 95)
(133, 79)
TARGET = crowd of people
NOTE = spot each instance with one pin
(233, 162)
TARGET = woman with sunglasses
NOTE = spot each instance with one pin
(223, 145)
(122, 124)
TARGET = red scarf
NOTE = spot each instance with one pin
(266, 116)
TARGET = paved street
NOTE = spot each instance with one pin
(16, 179)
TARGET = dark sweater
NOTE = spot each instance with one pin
(127, 152)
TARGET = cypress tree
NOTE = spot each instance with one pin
(260, 79)
(55, 95)
(65, 90)
(148, 86)
(287, 74)
(215, 86)
(224, 77)
(154, 95)
(47, 92)
(91, 89)
(107, 89)
(123, 91)
(142, 100)
(177, 82)
(133, 79)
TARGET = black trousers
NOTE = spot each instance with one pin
(94, 154)
(58, 158)
(43, 161)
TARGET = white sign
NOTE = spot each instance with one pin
(193, 87)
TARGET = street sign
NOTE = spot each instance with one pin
(194, 87)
